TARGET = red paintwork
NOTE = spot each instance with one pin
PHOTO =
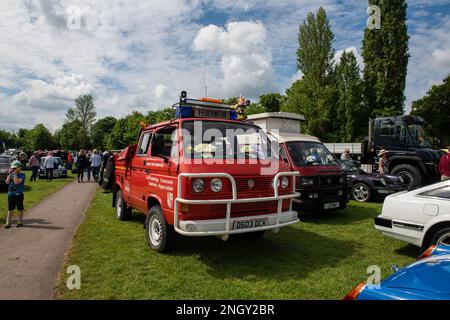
(139, 187)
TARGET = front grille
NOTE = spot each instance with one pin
(261, 184)
(242, 209)
(330, 181)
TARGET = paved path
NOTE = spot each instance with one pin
(31, 257)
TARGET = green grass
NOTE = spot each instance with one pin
(323, 257)
(34, 192)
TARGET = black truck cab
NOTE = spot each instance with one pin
(411, 154)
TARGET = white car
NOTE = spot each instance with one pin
(420, 217)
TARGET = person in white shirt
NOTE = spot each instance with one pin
(96, 162)
(49, 165)
(346, 155)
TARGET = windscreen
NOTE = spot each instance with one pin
(225, 140)
(310, 154)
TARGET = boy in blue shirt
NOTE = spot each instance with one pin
(15, 182)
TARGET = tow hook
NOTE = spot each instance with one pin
(224, 237)
(276, 230)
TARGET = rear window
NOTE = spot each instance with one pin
(442, 192)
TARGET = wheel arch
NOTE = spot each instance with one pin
(433, 227)
(412, 161)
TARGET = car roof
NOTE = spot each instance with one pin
(293, 137)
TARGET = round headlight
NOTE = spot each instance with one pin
(284, 182)
(198, 185)
(216, 185)
(383, 181)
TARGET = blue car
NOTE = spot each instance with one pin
(426, 279)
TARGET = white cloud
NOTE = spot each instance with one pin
(246, 60)
(54, 95)
(441, 58)
(160, 91)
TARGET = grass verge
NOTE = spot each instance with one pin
(323, 257)
(34, 192)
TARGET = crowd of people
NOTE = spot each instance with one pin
(86, 162)
(81, 162)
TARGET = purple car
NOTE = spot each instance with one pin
(368, 187)
(5, 163)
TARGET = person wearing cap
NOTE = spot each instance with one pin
(16, 183)
(383, 160)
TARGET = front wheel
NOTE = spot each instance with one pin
(161, 236)
(361, 192)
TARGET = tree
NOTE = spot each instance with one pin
(126, 131)
(101, 130)
(271, 102)
(434, 108)
(351, 114)
(72, 136)
(41, 138)
(83, 112)
(314, 95)
(385, 54)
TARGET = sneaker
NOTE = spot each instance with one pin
(19, 225)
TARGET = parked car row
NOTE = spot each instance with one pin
(5, 163)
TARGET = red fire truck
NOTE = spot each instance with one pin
(204, 173)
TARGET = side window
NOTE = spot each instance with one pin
(387, 128)
(443, 192)
(144, 144)
(169, 142)
(282, 154)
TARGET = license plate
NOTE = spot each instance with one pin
(333, 205)
(249, 224)
(211, 113)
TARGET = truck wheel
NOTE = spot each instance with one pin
(410, 174)
(122, 211)
(161, 236)
(361, 192)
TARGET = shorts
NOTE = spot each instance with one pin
(15, 201)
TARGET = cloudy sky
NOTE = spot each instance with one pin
(138, 55)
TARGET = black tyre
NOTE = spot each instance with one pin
(161, 236)
(361, 192)
(441, 236)
(123, 212)
(410, 174)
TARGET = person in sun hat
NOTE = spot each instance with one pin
(16, 183)
(383, 159)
